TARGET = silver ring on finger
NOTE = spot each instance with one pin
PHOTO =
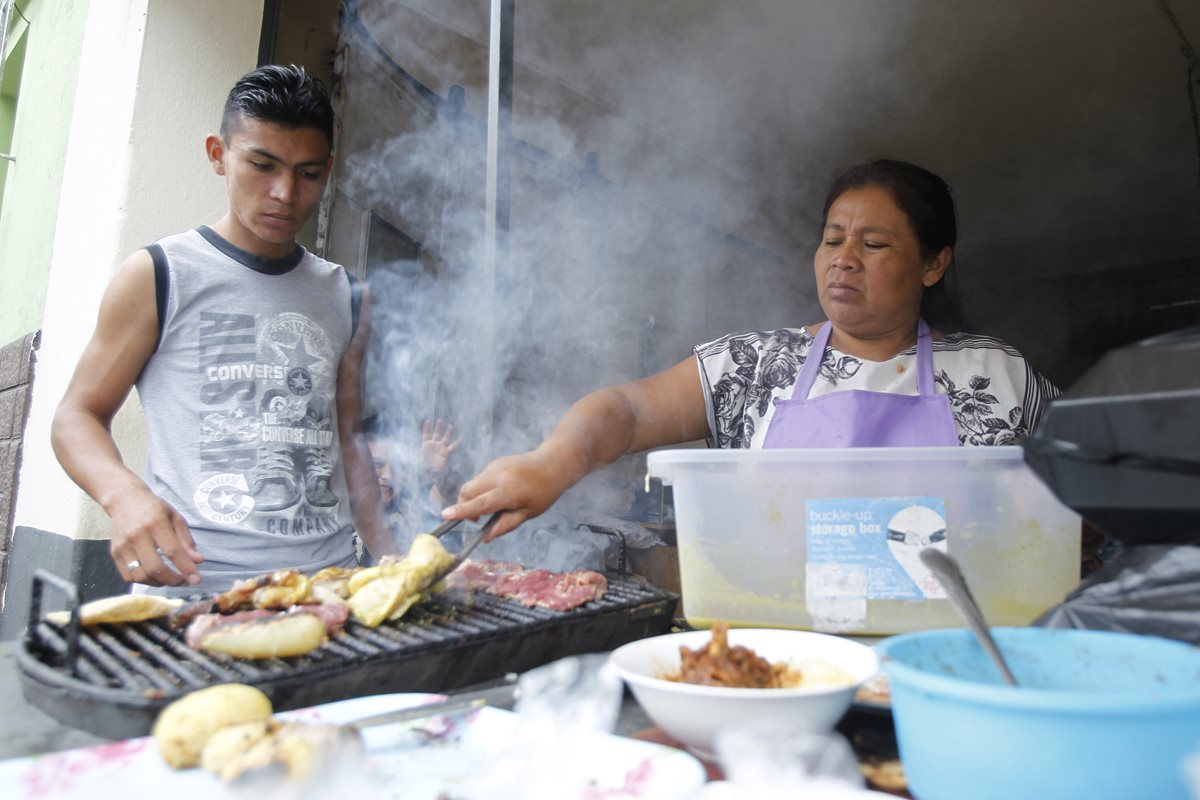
(132, 565)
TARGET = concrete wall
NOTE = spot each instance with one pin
(16, 369)
(153, 75)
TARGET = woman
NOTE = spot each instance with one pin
(883, 378)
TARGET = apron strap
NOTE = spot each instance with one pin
(925, 380)
(812, 366)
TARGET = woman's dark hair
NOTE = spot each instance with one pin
(286, 96)
(925, 199)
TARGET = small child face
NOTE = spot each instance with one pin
(381, 454)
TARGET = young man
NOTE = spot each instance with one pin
(246, 352)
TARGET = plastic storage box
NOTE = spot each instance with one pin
(829, 539)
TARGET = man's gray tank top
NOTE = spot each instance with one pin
(240, 406)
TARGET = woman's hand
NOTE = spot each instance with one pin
(523, 486)
(667, 408)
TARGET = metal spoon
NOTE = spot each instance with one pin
(947, 572)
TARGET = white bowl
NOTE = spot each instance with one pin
(694, 714)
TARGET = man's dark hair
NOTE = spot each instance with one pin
(925, 199)
(286, 96)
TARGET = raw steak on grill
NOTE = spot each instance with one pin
(559, 591)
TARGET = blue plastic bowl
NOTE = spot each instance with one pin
(1096, 715)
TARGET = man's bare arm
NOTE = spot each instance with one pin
(366, 504)
(144, 526)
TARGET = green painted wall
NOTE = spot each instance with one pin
(14, 46)
(39, 141)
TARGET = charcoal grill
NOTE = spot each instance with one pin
(112, 680)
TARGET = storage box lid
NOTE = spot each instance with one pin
(666, 464)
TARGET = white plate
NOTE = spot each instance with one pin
(464, 758)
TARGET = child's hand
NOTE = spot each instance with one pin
(436, 447)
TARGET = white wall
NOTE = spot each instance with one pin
(152, 81)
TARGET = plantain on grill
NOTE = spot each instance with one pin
(387, 591)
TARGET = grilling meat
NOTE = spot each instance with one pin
(481, 574)
(278, 614)
(257, 634)
(279, 589)
(559, 591)
(203, 624)
(183, 616)
(334, 615)
(331, 581)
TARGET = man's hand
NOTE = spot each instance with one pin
(151, 543)
(436, 447)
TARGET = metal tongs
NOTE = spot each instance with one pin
(469, 545)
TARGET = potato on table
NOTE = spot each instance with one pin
(184, 727)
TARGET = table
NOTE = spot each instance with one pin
(26, 730)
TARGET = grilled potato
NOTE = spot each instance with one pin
(278, 637)
(303, 750)
(231, 743)
(184, 727)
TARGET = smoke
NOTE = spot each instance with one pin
(636, 231)
(668, 168)
(715, 127)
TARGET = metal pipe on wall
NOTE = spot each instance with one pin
(6, 7)
(498, 190)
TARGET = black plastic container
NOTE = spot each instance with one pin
(1122, 447)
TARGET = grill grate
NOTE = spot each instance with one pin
(125, 673)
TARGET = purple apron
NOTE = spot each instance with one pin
(859, 418)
